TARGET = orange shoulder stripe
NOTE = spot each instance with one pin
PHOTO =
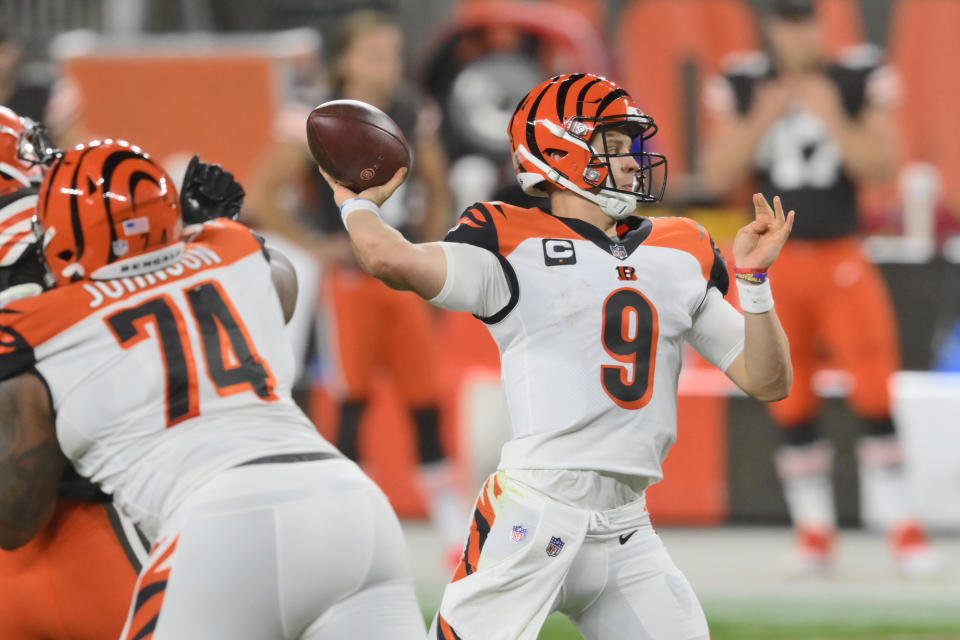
(516, 224)
(686, 235)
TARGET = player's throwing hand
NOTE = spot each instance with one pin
(378, 195)
(758, 243)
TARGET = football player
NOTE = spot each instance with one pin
(590, 305)
(84, 562)
(812, 128)
(158, 368)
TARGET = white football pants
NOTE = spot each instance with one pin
(529, 555)
(308, 549)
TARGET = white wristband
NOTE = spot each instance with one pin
(356, 204)
(755, 298)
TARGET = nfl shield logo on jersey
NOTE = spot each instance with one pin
(519, 533)
(555, 546)
(619, 251)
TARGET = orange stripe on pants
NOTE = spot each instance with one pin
(151, 588)
(483, 517)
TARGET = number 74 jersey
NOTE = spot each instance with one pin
(161, 380)
(592, 334)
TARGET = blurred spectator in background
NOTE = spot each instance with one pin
(9, 54)
(809, 129)
(370, 328)
(64, 114)
(27, 97)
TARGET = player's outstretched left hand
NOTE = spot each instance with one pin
(378, 195)
(209, 192)
(758, 244)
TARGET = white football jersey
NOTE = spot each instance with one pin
(592, 331)
(161, 381)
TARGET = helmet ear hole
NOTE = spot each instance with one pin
(66, 254)
(555, 153)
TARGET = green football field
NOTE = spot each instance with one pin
(722, 628)
(558, 628)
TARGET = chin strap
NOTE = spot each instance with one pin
(616, 205)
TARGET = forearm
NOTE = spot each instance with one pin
(26, 507)
(432, 172)
(384, 253)
(273, 197)
(766, 357)
(728, 158)
(866, 155)
(377, 246)
(763, 368)
(31, 462)
(437, 221)
(274, 219)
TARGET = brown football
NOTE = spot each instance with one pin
(356, 143)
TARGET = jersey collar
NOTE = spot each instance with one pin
(631, 232)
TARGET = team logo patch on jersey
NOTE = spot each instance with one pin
(626, 273)
(519, 533)
(555, 546)
(556, 251)
(619, 251)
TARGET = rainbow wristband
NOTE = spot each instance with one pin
(753, 276)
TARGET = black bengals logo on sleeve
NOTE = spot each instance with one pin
(11, 340)
(557, 252)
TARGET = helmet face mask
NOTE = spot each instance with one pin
(564, 114)
(24, 150)
(650, 177)
(35, 145)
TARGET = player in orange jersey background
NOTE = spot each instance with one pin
(811, 129)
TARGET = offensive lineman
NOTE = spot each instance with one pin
(590, 306)
(157, 365)
(75, 576)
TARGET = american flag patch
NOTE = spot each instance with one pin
(134, 226)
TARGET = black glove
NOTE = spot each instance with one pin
(26, 277)
(209, 192)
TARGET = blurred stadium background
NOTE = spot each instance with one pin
(214, 77)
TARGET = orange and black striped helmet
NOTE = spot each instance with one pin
(106, 210)
(552, 137)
